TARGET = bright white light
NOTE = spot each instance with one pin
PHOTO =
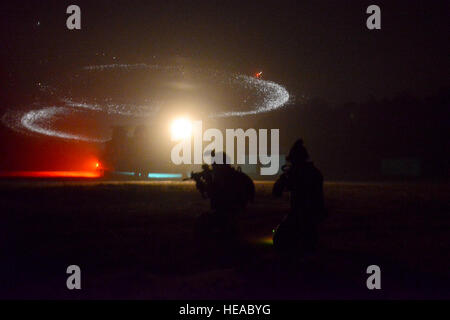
(271, 96)
(181, 129)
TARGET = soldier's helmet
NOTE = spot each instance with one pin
(298, 152)
(218, 155)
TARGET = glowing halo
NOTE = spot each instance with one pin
(276, 96)
(31, 119)
(40, 120)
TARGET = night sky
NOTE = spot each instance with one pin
(318, 49)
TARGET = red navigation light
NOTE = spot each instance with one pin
(50, 174)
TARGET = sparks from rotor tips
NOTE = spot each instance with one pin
(41, 120)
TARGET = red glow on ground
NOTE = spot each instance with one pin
(89, 168)
(51, 174)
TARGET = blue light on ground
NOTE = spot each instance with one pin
(165, 175)
(125, 173)
(152, 175)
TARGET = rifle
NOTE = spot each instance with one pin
(194, 176)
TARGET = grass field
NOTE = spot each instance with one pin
(135, 240)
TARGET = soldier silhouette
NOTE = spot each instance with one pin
(297, 233)
(202, 180)
(229, 191)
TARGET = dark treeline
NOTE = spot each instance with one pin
(396, 138)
